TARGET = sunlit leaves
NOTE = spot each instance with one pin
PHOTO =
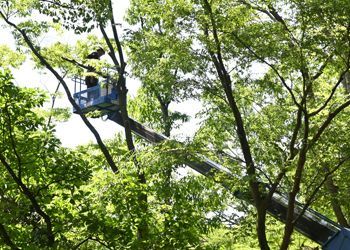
(80, 16)
(171, 47)
(34, 154)
(10, 58)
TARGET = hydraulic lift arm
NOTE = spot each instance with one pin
(311, 224)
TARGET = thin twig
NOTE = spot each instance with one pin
(271, 66)
(315, 191)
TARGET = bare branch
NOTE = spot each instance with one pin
(274, 186)
(75, 63)
(273, 15)
(93, 239)
(341, 78)
(100, 242)
(280, 19)
(289, 226)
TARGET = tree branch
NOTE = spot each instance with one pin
(335, 87)
(293, 151)
(241, 133)
(110, 46)
(258, 8)
(13, 143)
(75, 63)
(116, 39)
(327, 122)
(289, 226)
(322, 67)
(53, 99)
(25, 190)
(315, 191)
(81, 243)
(280, 19)
(274, 186)
(142, 228)
(6, 238)
(336, 206)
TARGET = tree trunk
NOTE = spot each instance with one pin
(261, 228)
(253, 183)
(226, 83)
(142, 229)
(166, 131)
(289, 224)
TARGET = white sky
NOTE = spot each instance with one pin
(74, 132)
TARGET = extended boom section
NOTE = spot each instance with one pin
(312, 224)
(104, 99)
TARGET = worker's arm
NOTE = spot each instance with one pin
(75, 62)
(83, 66)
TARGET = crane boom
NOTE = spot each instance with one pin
(311, 224)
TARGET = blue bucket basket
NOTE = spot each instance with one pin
(102, 97)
